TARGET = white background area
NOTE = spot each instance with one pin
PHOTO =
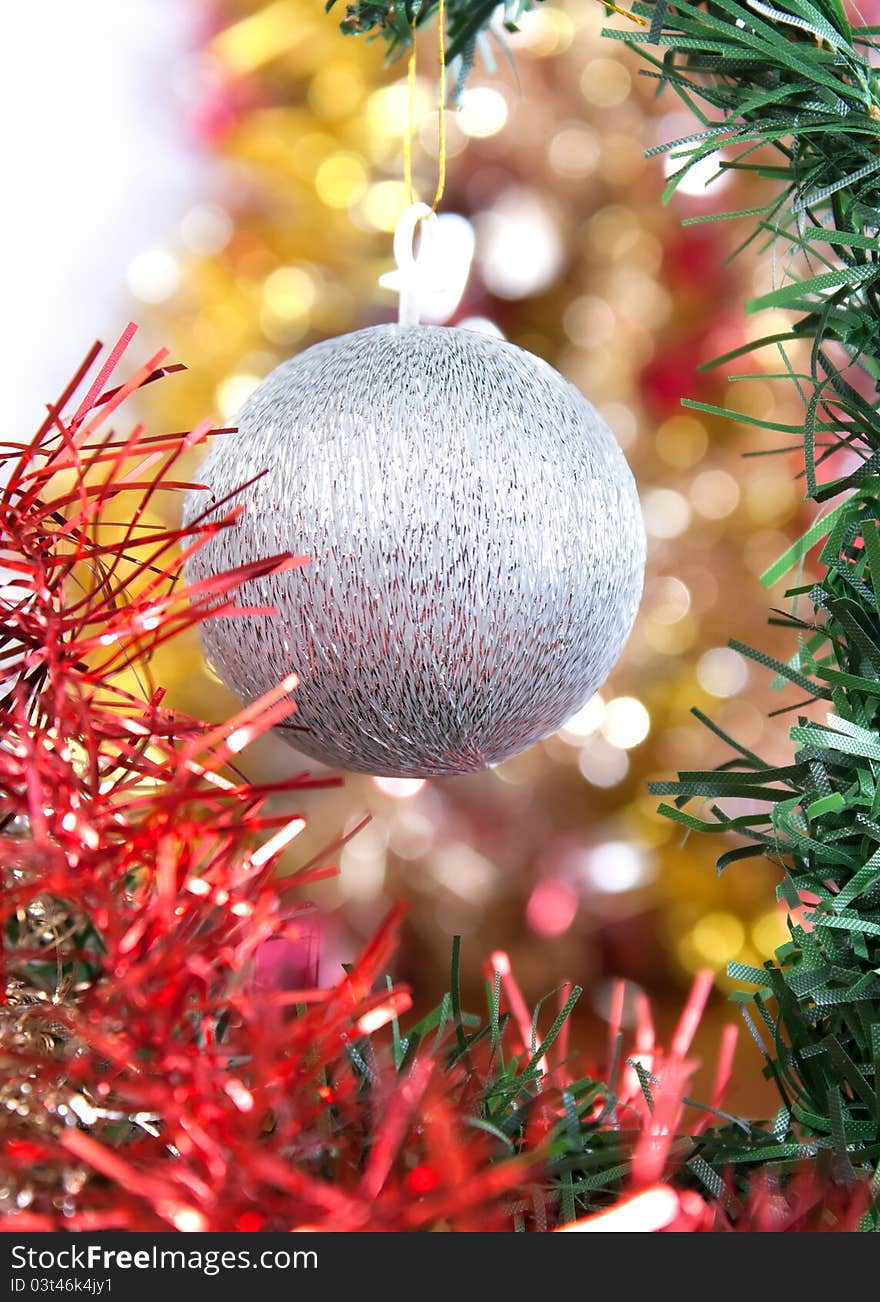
(96, 165)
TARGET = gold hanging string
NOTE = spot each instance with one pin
(625, 13)
(441, 112)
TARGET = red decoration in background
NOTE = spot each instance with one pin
(674, 371)
(284, 964)
(695, 257)
(694, 262)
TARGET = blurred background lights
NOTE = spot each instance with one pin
(586, 721)
(602, 764)
(605, 83)
(551, 908)
(455, 140)
(621, 420)
(615, 867)
(714, 940)
(153, 275)
(411, 832)
(482, 112)
(667, 600)
(362, 863)
(341, 179)
(464, 872)
(721, 671)
(388, 108)
(400, 788)
(258, 37)
(233, 392)
(206, 229)
(625, 722)
(682, 441)
(336, 89)
(670, 638)
(383, 203)
(667, 513)
(518, 245)
(541, 33)
(288, 294)
(589, 321)
(769, 931)
(574, 152)
(605, 997)
(715, 494)
(639, 299)
(622, 160)
(306, 152)
(763, 547)
(771, 495)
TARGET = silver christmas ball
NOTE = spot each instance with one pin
(475, 540)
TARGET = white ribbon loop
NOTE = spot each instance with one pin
(430, 280)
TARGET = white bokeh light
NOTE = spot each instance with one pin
(586, 721)
(206, 229)
(602, 764)
(519, 247)
(233, 392)
(667, 513)
(482, 111)
(616, 866)
(625, 723)
(722, 672)
(153, 275)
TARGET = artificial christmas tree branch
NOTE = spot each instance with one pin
(468, 23)
(797, 81)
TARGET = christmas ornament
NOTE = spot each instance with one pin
(475, 541)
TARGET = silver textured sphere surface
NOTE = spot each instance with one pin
(477, 548)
